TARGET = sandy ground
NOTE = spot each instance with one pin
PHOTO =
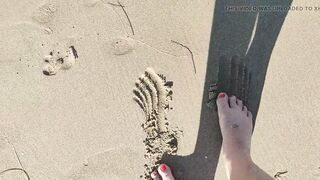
(82, 122)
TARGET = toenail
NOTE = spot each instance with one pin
(221, 95)
(163, 168)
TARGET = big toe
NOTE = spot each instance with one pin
(222, 102)
(165, 172)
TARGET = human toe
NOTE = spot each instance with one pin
(165, 172)
(222, 101)
(233, 101)
(250, 115)
(155, 175)
(245, 109)
(239, 103)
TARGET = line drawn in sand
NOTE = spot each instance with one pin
(55, 61)
(153, 94)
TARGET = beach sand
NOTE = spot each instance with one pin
(81, 121)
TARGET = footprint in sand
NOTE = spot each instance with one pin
(153, 94)
(45, 13)
(56, 61)
(121, 46)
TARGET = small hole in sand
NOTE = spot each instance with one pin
(46, 73)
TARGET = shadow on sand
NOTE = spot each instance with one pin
(251, 36)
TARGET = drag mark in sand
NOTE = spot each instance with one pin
(146, 98)
(153, 94)
(191, 53)
(125, 12)
(139, 98)
(152, 91)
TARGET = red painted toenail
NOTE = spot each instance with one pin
(221, 95)
(163, 168)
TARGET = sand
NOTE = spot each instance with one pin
(80, 121)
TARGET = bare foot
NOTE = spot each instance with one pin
(163, 172)
(236, 128)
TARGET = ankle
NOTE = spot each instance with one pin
(236, 155)
(238, 161)
(239, 167)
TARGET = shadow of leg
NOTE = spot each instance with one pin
(231, 35)
(258, 56)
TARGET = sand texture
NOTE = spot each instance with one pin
(97, 89)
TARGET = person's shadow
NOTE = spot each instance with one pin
(247, 38)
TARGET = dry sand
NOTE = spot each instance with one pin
(82, 122)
